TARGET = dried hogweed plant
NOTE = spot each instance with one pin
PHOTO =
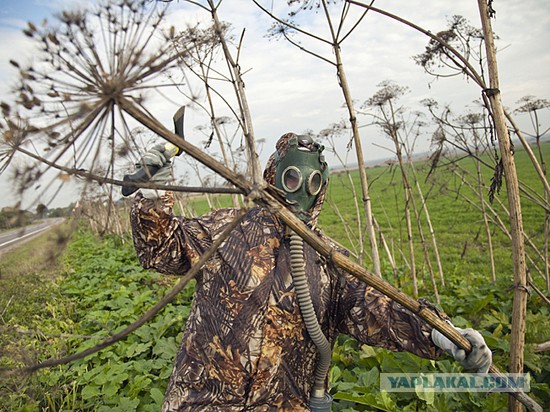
(66, 113)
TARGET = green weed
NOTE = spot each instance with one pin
(51, 308)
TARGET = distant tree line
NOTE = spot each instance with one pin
(14, 217)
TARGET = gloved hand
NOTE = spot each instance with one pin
(158, 157)
(478, 360)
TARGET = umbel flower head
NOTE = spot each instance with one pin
(66, 108)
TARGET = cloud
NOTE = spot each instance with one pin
(289, 90)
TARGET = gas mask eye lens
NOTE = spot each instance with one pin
(292, 179)
(314, 183)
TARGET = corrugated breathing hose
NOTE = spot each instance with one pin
(320, 401)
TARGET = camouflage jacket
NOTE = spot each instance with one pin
(245, 346)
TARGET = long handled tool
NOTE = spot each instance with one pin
(148, 171)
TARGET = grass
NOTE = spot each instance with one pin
(49, 305)
(33, 311)
(458, 225)
(26, 270)
(68, 303)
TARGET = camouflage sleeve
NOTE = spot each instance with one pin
(374, 319)
(164, 242)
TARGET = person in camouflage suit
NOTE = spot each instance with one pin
(244, 347)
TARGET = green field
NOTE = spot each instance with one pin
(458, 224)
(52, 306)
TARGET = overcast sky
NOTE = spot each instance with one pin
(289, 90)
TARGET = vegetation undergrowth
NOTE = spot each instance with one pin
(103, 290)
(54, 307)
(355, 374)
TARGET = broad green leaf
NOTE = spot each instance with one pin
(426, 395)
(137, 348)
(363, 399)
(157, 395)
(90, 391)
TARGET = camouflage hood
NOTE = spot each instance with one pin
(282, 147)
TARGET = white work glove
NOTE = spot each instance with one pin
(478, 360)
(158, 156)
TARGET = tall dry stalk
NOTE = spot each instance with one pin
(425, 251)
(519, 309)
(330, 134)
(495, 217)
(387, 249)
(389, 118)
(119, 97)
(367, 204)
(408, 203)
(408, 147)
(462, 134)
(238, 84)
(479, 177)
(204, 52)
(283, 27)
(531, 105)
(486, 223)
(425, 210)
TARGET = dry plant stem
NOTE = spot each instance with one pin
(527, 239)
(145, 185)
(356, 208)
(542, 347)
(357, 215)
(411, 199)
(469, 71)
(387, 249)
(348, 231)
(485, 220)
(517, 341)
(268, 198)
(504, 229)
(538, 291)
(390, 251)
(530, 153)
(201, 181)
(215, 125)
(541, 171)
(407, 194)
(425, 250)
(526, 190)
(497, 220)
(238, 83)
(343, 82)
(147, 316)
(423, 242)
(429, 222)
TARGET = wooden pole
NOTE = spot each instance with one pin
(268, 197)
(519, 309)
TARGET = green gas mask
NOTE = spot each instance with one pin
(302, 173)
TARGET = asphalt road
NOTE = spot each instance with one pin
(15, 237)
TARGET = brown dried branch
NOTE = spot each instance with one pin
(270, 198)
(146, 317)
